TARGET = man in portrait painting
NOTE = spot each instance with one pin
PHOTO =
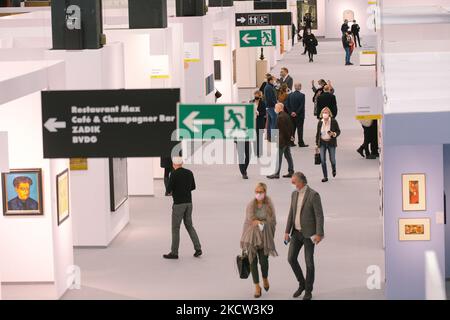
(414, 192)
(22, 202)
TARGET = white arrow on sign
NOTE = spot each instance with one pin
(241, 20)
(192, 122)
(246, 38)
(53, 125)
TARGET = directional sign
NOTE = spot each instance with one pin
(263, 19)
(109, 123)
(258, 38)
(216, 121)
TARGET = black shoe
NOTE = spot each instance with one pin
(350, 64)
(325, 180)
(289, 175)
(377, 155)
(334, 173)
(198, 253)
(274, 176)
(361, 151)
(303, 54)
(371, 157)
(307, 296)
(170, 256)
(303, 145)
(245, 176)
(299, 292)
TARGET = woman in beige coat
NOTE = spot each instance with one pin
(258, 235)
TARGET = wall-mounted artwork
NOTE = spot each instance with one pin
(414, 192)
(22, 192)
(118, 182)
(217, 70)
(307, 14)
(62, 196)
(414, 229)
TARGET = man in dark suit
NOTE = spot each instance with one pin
(327, 99)
(305, 227)
(285, 129)
(295, 106)
(355, 31)
(270, 98)
(285, 78)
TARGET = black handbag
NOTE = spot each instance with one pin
(317, 160)
(243, 266)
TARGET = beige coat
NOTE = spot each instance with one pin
(253, 238)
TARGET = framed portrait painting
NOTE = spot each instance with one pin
(62, 196)
(118, 182)
(22, 192)
(414, 229)
(414, 192)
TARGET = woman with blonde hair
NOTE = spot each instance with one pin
(257, 239)
(326, 140)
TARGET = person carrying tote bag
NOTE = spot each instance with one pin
(258, 236)
(326, 140)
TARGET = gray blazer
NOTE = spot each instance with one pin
(311, 219)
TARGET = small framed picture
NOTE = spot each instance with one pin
(414, 192)
(22, 192)
(414, 229)
(62, 196)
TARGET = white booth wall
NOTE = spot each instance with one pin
(34, 249)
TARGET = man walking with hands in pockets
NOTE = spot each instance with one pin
(304, 228)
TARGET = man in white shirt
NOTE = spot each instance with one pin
(305, 227)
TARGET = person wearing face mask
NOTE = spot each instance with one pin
(311, 43)
(285, 137)
(258, 236)
(270, 96)
(261, 115)
(326, 140)
(304, 228)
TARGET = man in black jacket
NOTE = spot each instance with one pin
(355, 31)
(270, 97)
(345, 27)
(181, 185)
(285, 78)
(295, 106)
(285, 129)
(327, 99)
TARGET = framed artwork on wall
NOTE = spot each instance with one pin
(62, 196)
(118, 182)
(22, 192)
(414, 229)
(414, 192)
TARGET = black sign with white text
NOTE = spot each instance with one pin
(109, 123)
(263, 19)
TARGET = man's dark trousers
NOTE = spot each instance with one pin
(183, 213)
(297, 242)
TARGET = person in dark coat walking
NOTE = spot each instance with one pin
(261, 117)
(355, 31)
(166, 164)
(327, 99)
(326, 140)
(311, 43)
(345, 27)
(296, 109)
(285, 130)
(270, 97)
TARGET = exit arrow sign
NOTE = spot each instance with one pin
(216, 121)
(258, 38)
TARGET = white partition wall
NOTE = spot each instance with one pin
(33, 249)
(152, 59)
(93, 222)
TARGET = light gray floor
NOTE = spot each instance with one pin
(132, 268)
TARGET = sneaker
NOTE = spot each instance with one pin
(170, 256)
(198, 253)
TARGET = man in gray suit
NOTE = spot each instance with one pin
(304, 228)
